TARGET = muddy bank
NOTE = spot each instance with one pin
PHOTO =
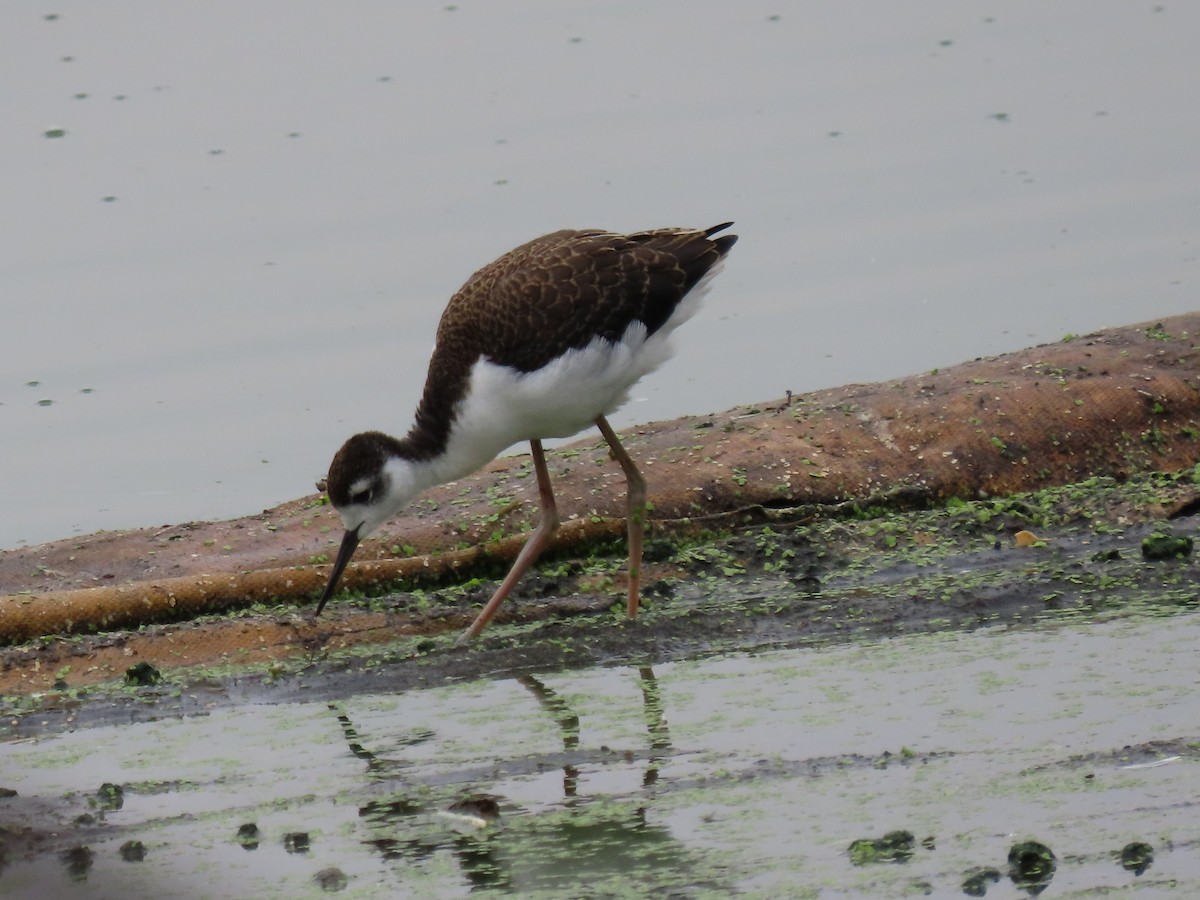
(1115, 402)
(1094, 549)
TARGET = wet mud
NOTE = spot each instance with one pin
(1085, 550)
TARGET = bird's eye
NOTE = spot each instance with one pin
(363, 496)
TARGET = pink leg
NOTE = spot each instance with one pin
(533, 547)
(635, 495)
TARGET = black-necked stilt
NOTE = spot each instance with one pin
(541, 343)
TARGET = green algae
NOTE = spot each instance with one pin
(894, 847)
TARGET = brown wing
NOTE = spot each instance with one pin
(561, 291)
(556, 293)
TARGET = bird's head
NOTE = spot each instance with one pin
(366, 486)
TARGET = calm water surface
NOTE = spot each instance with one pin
(228, 229)
(689, 779)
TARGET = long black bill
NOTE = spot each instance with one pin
(349, 545)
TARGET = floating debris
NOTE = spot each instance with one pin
(247, 836)
(331, 879)
(142, 674)
(895, 846)
(474, 812)
(110, 796)
(976, 884)
(1136, 857)
(296, 842)
(78, 860)
(1166, 546)
(1031, 865)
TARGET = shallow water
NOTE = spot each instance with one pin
(744, 774)
(241, 242)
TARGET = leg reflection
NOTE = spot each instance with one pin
(656, 725)
(568, 724)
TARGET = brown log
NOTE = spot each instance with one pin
(1115, 402)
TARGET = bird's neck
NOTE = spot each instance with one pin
(424, 458)
(450, 438)
(409, 473)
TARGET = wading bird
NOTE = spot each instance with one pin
(541, 343)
